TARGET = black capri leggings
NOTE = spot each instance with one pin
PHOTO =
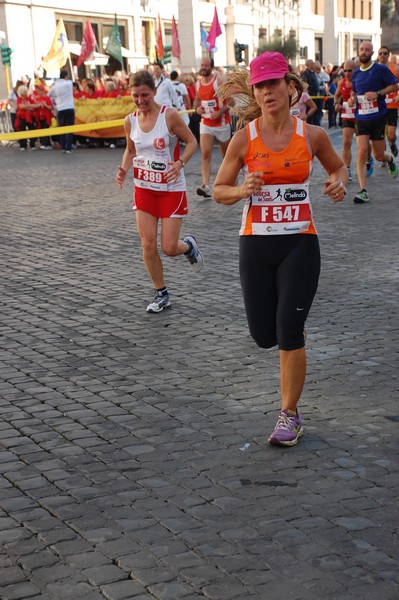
(279, 276)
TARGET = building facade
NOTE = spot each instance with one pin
(328, 30)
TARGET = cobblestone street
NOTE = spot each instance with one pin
(133, 447)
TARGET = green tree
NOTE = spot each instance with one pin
(387, 10)
(287, 46)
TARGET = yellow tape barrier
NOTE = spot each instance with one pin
(101, 118)
(35, 133)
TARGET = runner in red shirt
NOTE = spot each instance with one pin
(215, 121)
(341, 98)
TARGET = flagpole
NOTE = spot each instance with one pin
(71, 67)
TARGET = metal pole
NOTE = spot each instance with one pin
(7, 79)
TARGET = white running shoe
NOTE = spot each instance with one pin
(194, 256)
(159, 302)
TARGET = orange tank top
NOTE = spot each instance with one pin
(210, 102)
(392, 99)
(283, 206)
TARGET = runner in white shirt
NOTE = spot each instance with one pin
(160, 186)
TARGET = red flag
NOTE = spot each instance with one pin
(88, 43)
(214, 31)
(175, 40)
(159, 40)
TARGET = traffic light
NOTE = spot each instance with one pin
(167, 54)
(238, 50)
(6, 55)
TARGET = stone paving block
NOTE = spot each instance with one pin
(60, 534)
(70, 589)
(170, 590)
(229, 587)
(51, 574)
(122, 590)
(86, 560)
(198, 576)
(19, 591)
(138, 560)
(103, 574)
(354, 523)
(11, 575)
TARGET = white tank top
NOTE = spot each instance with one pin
(155, 149)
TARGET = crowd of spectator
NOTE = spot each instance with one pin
(31, 106)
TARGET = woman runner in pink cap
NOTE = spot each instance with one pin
(279, 248)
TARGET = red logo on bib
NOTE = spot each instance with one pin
(159, 143)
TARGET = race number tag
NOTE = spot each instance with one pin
(348, 112)
(209, 106)
(366, 107)
(390, 98)
(281, 209)
(150, 174)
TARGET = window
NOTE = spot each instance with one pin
(145, 38)
(356, 45)
(317, 7)
(262, 34)
(74, 31)
(318, 49)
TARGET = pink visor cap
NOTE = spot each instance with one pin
(269, 65)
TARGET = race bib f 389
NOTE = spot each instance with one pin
(149, 174)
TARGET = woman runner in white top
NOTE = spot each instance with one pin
(160, 187)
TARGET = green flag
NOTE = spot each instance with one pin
(114, 44)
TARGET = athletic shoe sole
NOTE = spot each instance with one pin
(160, 308)
(359, 200)
(196, 266)
(275, 442)
(203, 193)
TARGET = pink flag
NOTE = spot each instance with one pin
(88, 43)
(214, 31)
(159, 41)
(175, 40)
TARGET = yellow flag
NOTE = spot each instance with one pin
(59, 52)
(151, 34)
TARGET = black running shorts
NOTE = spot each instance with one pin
(279, 276)
(375, 128)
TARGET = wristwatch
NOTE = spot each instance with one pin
(379, 93)
(182, 162)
